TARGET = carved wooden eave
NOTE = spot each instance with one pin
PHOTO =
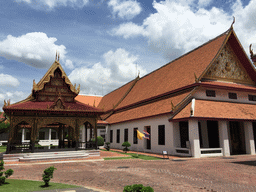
(50, 73)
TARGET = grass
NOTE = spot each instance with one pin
(132, 156)
(15, 185)
(2, 149)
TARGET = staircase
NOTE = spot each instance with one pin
(44, 156)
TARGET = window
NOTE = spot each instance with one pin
(41, 135)
(210, 93)
(161, 134)
(27, 135)
(252, 97)
(135, 138)
(53, 135)
(118, 136)
(111, 136)
(232, 95)
(184, 137)
(125, 135)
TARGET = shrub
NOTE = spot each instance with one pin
(7, 173)
(100, 141)
(126, 144)
(107, 146)
(137, 188)
(48, 174)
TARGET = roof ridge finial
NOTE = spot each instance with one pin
(251, 50)
(56, 56)
(234, 20)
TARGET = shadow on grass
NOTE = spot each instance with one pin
(250, 163)
(45, 186)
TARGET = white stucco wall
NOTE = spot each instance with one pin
(222, 95)
(153, 122)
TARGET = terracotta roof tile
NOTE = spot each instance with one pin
(176, 74)
(152, 109)
(89, 100)
(111, 99)
(225, 85)
(219, 110)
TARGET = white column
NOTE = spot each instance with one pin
(83, 133)
(249, 138)
(194, 138)
(223, 135)
(50, 135)
(23, 135)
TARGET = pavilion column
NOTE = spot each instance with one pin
(59, 136)
(90, 132)
(50, 138)
(223, 134)
(249, 138)
(11, 135)
(23, 136)
(33, 135)
(194, 138)
(69, 135)
(76, 135)
(95, 133)
(63, 136)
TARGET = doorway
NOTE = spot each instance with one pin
(213, 134)
(237, 138)
(148, 141)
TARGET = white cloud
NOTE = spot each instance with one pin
(118, 68)
(69, 64)
(35, 49)
(8, 80)
(204, 3)
(125, 9)
(13, 96)
(128, 30)
(54, 3)
(177, 27)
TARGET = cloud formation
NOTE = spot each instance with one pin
(180, 26)
(35, 49)
(13, 96)
(50, 4)
(125, 9)
(8, 80)
(118, 68)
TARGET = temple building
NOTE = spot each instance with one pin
(201, 104)
(52, 109)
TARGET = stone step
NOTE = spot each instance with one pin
(22, 157)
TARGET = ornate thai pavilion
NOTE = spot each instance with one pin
(51, 105)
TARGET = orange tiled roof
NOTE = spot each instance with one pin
(114, 97)
(159, 107)
(219, 110)
(173, 77)
(89, 100)
(226, 85)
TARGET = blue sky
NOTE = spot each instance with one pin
(103, 44)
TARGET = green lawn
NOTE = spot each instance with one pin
(14, 185)
(132, 156)
(2, 149)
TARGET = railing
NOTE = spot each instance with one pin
(183, 151)
(87, 145)
(207, 152)
(19, 148)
